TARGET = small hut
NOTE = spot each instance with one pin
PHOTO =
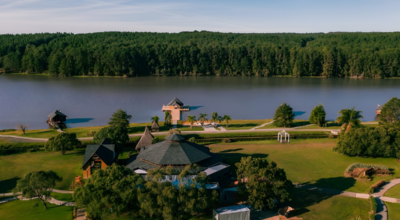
(145, 140)
(280, 136)
(232, 213)
(56, 117)
(98, 156)
(155, 127)
(378, 110)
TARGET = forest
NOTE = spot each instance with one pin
(351, 55)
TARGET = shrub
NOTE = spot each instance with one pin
(91, 133)
(381, 141)
(6, 130)
(155, 140)
(376, 186)
(226, 140)
(192, 139)
(374, 207)
(360, 165)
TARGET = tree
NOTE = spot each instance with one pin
(167, 118)
(202, 118)
(110, 190)
(22, 127)
(155, 119)
(390, 112)
(226, 119)
(349, 118)
(262, 182)
(63, 142)
(191, 119)
(214, 117)
(284, 116)
(317, 115)
(37, 184)
(120, 118)
(158, 197)
(117, 134)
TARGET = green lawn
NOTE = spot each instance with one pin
(309, 161)
(66, 197)
(317, 205)
(393, 210)
(317, 127)
(394, 192)
(15, 166)
(28, 210)
(296, 123)
(244, 124)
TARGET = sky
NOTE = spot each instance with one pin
(250, 16)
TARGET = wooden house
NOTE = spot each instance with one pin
(155, 127)
(145, 140)
(55, 118)
(98, 156)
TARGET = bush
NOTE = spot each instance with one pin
(6, 130)
(9, 148)
(91, 133)
(192, 139)
(376, 186)
(381, 141)
(226, 140)
(374, 207)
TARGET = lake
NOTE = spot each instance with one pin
(91, 101)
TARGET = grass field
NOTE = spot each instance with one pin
(34, 210)
(394, 192)
(16, 166)
(321, 206)
(309, 161)
(393, 210)
(66, 197)
(244, 124)
(296, 123)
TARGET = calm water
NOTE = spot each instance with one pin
(91, 101)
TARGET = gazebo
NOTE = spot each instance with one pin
(280, 136)
(155, 127)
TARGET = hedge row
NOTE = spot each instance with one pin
(269, 137)
(8, 148)
(374, 207)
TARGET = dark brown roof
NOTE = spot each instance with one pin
(105, 150)
(155, 125)
(145, 140)
(175, 101)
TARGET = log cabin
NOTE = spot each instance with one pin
(98, 156)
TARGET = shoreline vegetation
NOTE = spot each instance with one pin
(127, 54)
(274, 76)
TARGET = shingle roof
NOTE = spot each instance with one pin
(175, 137)
(53, 114)
(145, 140)
(106, 152)
(155, 125)
(175, 100)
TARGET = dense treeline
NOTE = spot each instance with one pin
(382, 141)
(203, 53)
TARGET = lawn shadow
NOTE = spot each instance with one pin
(231, 150)
(310, 195)
(77, 152)
(7, 186)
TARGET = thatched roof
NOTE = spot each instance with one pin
(145, 140)
(175, 101)
(155, 126)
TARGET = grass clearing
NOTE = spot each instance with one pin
(244, 124)
(66, 197)
(393, 210)
(394, 192)
(17, 165)
(34, 210)
(309, 161)
(317, 205)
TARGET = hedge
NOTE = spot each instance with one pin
(374, 207)
(8, 148)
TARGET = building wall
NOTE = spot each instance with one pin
(86, 171)
(103, 165)
(222, 177)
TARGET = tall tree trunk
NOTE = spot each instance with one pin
(63, 151)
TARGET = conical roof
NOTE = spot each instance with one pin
(145, 140)
(175, 137)
(155, 125)
(175, 100)
(173, 153)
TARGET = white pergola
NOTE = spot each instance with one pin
(283, 133)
